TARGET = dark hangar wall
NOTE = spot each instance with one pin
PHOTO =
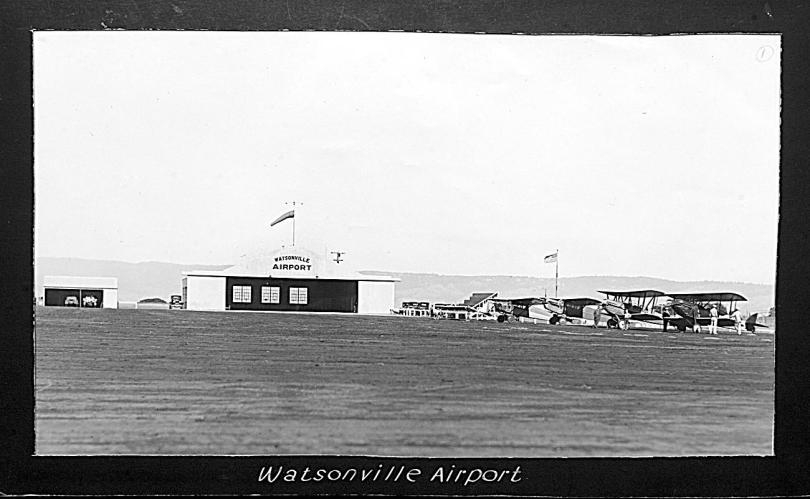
(324, 295)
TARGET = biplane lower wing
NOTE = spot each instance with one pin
(646, 317)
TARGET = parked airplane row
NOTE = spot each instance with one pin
(619, 308)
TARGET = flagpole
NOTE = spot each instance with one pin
(285, 216)
(293, 241)
(556, 270)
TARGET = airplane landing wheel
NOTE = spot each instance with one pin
(681, 328)
(623, 325)
(554, 320)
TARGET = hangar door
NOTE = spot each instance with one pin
(65, 297)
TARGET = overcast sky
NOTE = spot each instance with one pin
(454, 154)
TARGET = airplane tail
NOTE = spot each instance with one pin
(751, 322)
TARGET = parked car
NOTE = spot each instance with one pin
(72, 301)
(176, 302)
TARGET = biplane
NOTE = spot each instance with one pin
(688, 308)
(625, 306)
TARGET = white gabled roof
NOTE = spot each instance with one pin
(237, 273)
(83, 282)
(294, 262)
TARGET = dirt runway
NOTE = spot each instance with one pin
(182, 382)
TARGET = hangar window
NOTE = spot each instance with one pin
(241, 294)
(298, 296)
(271, 294)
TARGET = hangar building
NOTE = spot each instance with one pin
(289, 279)
(77, 291)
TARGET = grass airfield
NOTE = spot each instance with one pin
(193, 383)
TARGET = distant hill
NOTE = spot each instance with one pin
(137, 281)
(152, 300)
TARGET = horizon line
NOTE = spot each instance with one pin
(425, 273)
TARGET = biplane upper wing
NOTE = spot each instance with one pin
(641, 293)
(707, 297)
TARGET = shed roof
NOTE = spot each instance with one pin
(83, 282)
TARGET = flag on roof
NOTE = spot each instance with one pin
(550, 258)
(285, 216)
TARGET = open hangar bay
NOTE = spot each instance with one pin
(186, 382)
